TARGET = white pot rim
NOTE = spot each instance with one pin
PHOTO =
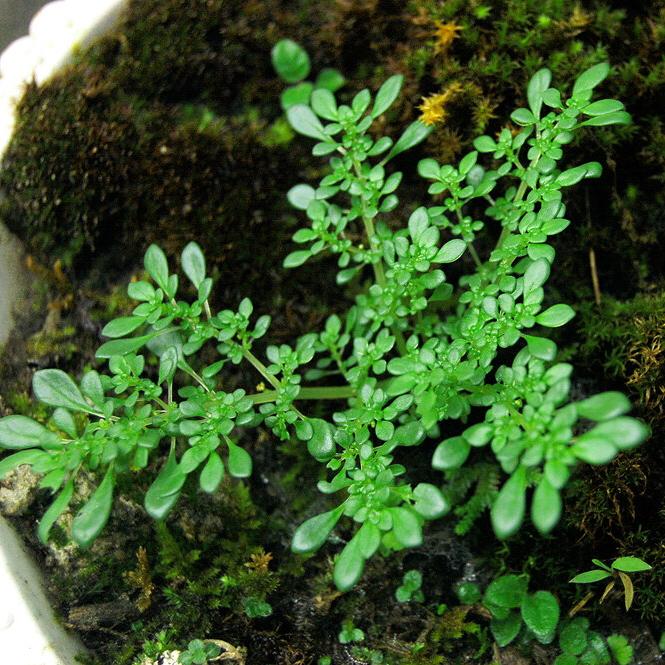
(30, 633)
(57, 30)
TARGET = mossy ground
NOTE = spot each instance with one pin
(170, 130)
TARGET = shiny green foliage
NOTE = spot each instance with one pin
(522, 618)
(199, 652)
(417, 353)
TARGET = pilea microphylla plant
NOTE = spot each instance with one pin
(411, 356)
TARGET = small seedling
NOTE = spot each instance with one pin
(620, 569)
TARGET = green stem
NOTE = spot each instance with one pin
(308, 393)
(379, 273)
(261, 368)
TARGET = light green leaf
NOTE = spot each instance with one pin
(121, 347)
(295, 259)
(387, 94)
(17, 432)
(604, 406)
(539, 82)
(55, 388)
(414, 134)
(296, 94)
(94, 515)
(504, 631)
(313, 533)
(540, 612)
(349, 566)
(451, 251)
(305, 122)
(591, 78)
(555, 316)
(508, 510)
(15, 460)
(590, 576)
(507, 591)
(301, 196)
(290, 61)
(194, 263)
(165, 489)
(541, 347)
(324, 105)
(321, 445)
(406, 527)
(330, 79)
(54, 511)
(168, 363)
(240, 463)
(451, 453)
(630, 564)
(430, 501)
(545, 507)
(157, 266)
(212, 473)
(122, 326)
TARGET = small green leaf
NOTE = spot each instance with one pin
(539, 82)
(545, 507)
(604, 406)
(165, 489)
(485, 144)
(240, 463)
(591, 78)
(451, 251)
(54, 511)
(428, 168)
(296, 94)
(573, 636)
(630, 564)
(194, 263)
(387, 94)
(536, 275)
(301, 196)
(121, 347)
(157, 266)
(17, 432)
(623, 432)
(15, 460)
(540, 612)
(523, 117)
(323, 104)
(603, 106)
(621, 649)
(313, 533)
(406, 527)
(122, 326)
(590, 576)
(430, 501)
(451, 453)
(212, 473)
(330, 79)
(555, 316)
(508, 509)
(321, 445)
(295, 259)
(541, 347)
(506, 630)
(168, 363)
(507, 591)
(305, 122)
(94, 515)
(290, 61)
(414, 134)
(349, 566)
(594, 450)
(55, 388)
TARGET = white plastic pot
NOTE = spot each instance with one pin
(30, 633)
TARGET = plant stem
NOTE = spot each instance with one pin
(379, 273)
(261, 368)
(308, 393)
